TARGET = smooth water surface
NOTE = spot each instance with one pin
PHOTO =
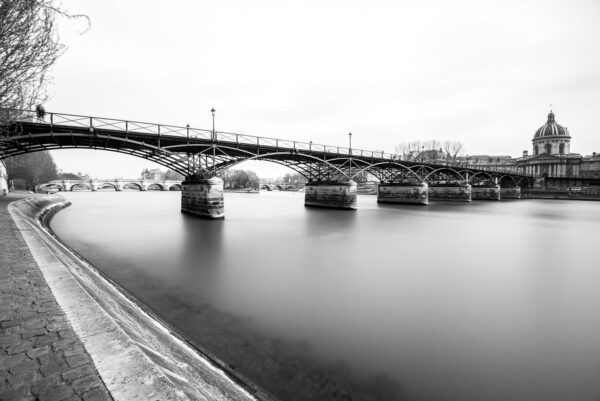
(451, 301)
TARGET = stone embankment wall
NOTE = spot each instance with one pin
(583, 194)
(137, 355)
(40, 355)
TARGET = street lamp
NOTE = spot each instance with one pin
(350, 138)
(213, 118)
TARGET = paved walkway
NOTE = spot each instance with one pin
(41, 358)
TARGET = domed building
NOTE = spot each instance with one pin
(551, 152)
(551, 138)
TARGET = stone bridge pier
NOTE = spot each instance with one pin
(510, 193)
(485, 192)
(450, 192)
(331, 194)
(203, 197)
(416, 194)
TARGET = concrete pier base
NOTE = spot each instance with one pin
(510, 193)
(336, 195)
(485, 193)
(417, 194)
(457, 193)
(203, 197)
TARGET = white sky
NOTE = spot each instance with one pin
(480, 72)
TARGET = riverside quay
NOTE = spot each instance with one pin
(201, 154)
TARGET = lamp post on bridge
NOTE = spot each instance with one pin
(350, 139)
(350, 151)
(213, 121)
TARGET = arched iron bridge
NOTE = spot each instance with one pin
(203, 153)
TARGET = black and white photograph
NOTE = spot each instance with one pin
(276, 200)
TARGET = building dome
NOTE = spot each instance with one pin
(551, 129)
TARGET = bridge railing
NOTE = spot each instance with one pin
(92, 123)
(128, 126)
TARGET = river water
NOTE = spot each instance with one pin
(451, 301)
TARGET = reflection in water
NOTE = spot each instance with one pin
(451, 301)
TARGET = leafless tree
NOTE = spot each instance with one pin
(29, 46)
(413, 151)
(453, 149)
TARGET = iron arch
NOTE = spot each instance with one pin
(444, 172)
(372, 168)
(272, 157)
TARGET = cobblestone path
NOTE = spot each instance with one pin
(41, 358)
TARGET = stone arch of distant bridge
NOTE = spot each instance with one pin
(51, 186)
(155, 187)
(105, 185)
(132, 186)
(80, 186)
(176, 187)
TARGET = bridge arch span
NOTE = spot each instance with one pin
(171, 161)
(448, 171)
(45, 187)
(476, 178)
(302, 158)
(132, 186)
(104, 185)
(507, 181)
(155, 187)
(175, 187)
(376, 170)
(80, 186)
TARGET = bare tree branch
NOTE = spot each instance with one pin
(29, 46)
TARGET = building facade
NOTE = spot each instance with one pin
(551, 155)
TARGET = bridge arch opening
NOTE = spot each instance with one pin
(80, 187)
(155, 187)
(176, 187)
(52, 187)
(444, 175)
(107, 186)
(132, 186)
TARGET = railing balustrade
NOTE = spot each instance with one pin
(133, 127)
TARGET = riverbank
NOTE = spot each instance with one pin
(136, 355)
(40, 354)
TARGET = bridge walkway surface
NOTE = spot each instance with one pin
(41, 357)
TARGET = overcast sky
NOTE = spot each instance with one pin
(480, 72)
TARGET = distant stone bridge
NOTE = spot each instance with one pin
(118, 184)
